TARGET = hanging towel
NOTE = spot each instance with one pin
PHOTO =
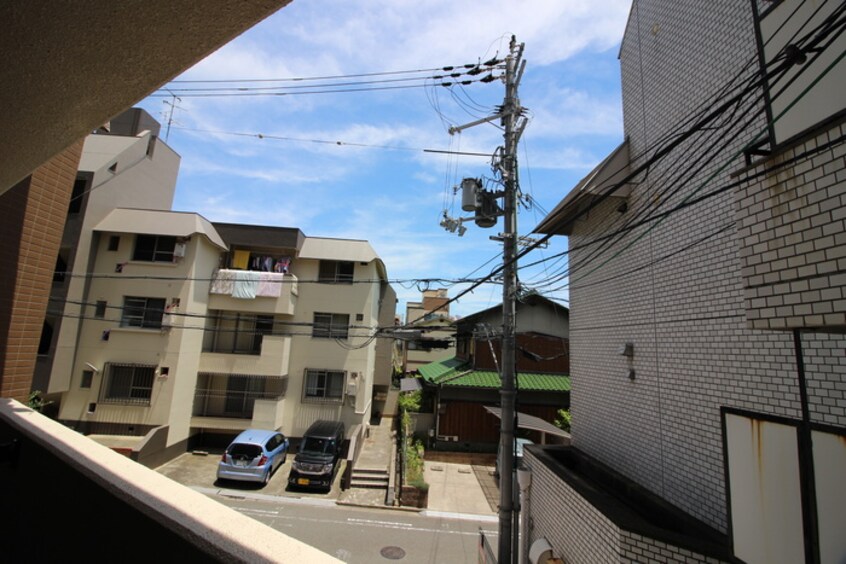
(270, 284)
(222, 282)
(241, 259)
(246, 284)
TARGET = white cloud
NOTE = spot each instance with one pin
(321, 180)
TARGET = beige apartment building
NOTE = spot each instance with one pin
(167, 328)
(437, 342)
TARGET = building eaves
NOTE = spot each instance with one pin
(242, 235)
(605, 177)
(159, 222)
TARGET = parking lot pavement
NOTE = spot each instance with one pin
(461, 483)
(199, 470)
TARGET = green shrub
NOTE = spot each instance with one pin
(563, 420)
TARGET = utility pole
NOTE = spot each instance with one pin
(511, 111)
(483, 202)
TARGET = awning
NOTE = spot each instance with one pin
(608, 173)
(410, 385)
(531, 423)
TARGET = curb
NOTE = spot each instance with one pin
(385, 507)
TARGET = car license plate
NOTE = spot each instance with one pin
(302, 481)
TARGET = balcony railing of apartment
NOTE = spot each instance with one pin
(234, 395)
(254, 292)
(133, 508)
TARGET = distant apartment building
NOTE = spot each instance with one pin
(437, 340)
(707, 285)
(172, 328)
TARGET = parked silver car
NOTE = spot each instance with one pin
(253, 456)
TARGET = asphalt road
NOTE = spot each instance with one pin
(362, 535)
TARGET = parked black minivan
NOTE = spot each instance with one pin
(318, 456)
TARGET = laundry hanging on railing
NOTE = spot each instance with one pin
(270, 284)
(245, 285)
(222, 282)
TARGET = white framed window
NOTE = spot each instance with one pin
(331, 325)
(324, 385)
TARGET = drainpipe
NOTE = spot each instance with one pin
(524, 480)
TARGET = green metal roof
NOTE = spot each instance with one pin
(441, 368)
(453, 372)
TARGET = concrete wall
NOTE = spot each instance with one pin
(91, 488)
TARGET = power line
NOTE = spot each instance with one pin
(448, 68)
(328, 142)
(326, 90)
(672, 141)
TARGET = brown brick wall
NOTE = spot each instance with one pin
(33, 217)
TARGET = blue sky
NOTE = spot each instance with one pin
(378, 184)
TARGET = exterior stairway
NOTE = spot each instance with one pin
(374, 478)
(370, 479)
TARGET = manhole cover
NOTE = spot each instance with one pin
(392, 553)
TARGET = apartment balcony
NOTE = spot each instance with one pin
(590, 513)
(265, 293)
(133, 510)
(237, 401)
(268, 357)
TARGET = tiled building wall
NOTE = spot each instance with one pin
(673, 287)
(577, 531)
(791, 220)
(638, 548)
(33, 216)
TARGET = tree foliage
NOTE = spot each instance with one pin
(562, 421)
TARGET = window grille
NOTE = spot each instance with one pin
(128, 384)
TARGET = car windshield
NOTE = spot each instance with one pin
(241, 450)
(311, 444)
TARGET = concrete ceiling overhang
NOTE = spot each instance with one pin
(71, 65)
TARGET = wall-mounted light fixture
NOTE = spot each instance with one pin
(92, 367)
(627, 350)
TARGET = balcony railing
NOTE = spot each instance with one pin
(252, 291)
(81, 478)
(234, 395)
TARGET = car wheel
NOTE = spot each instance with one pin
(267, 475)
(284, 457)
